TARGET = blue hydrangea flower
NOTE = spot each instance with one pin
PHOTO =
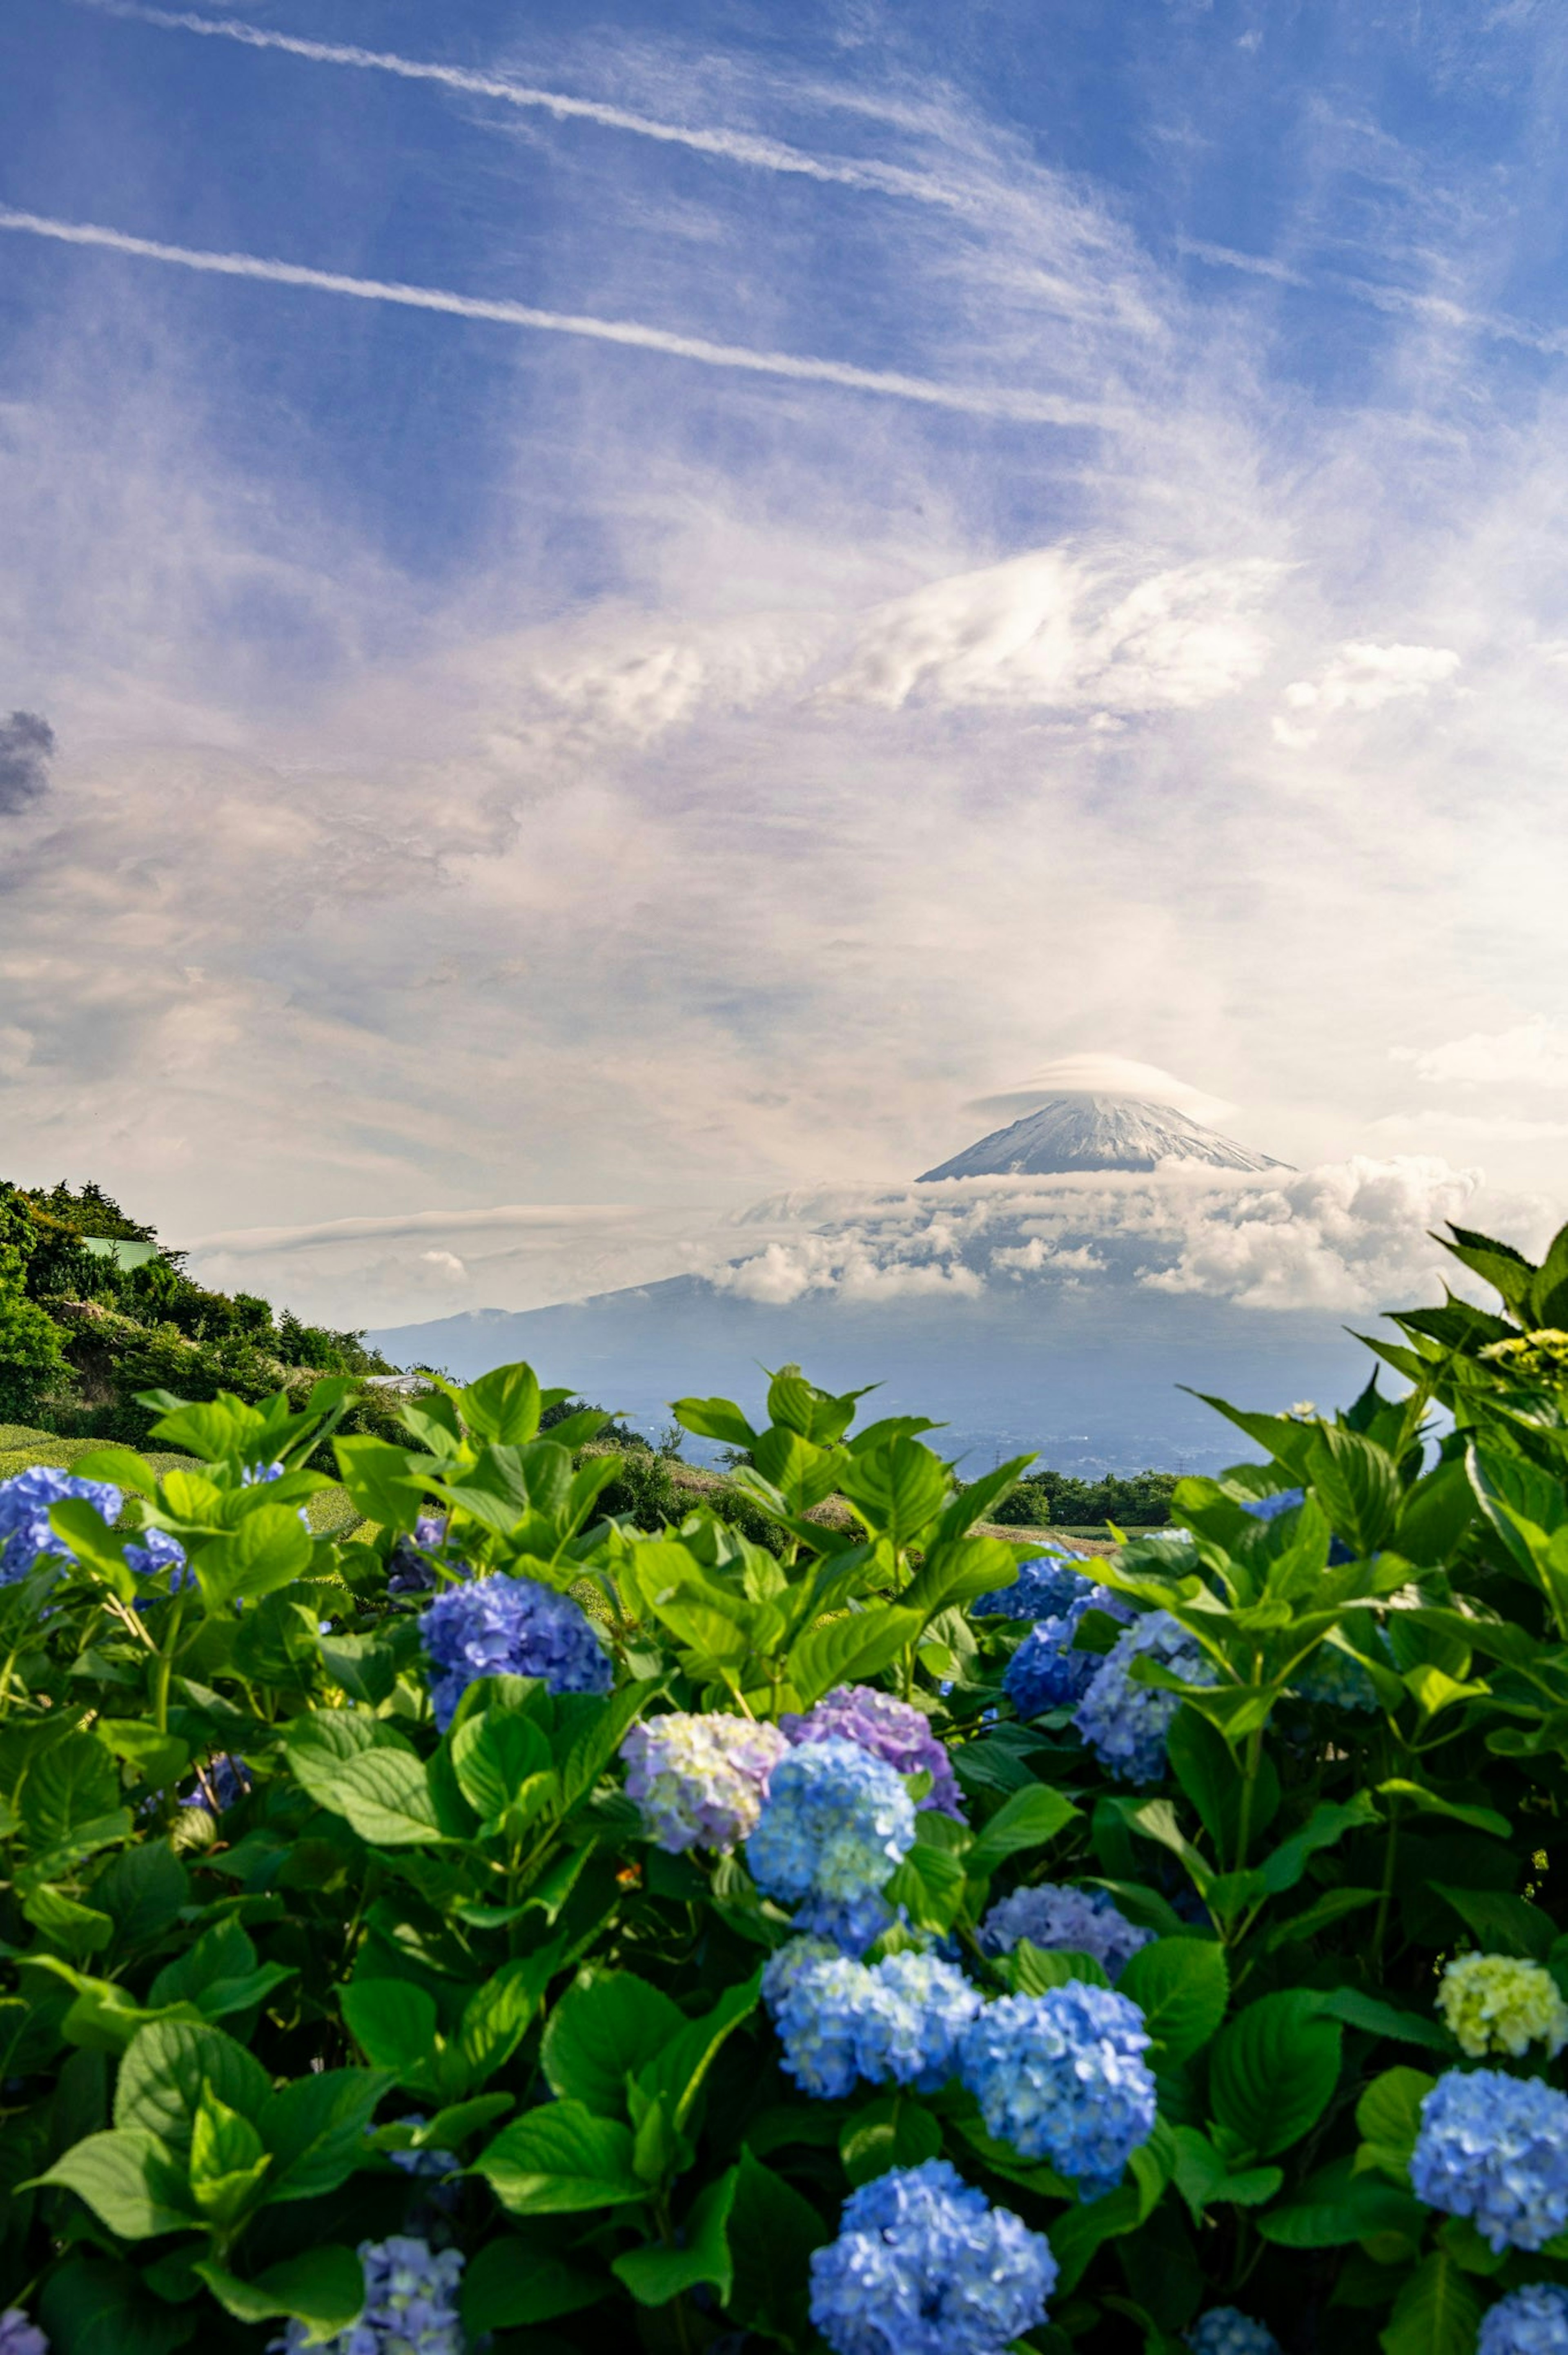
(835, 1825)
(1061, 2077)
(217, 1785)
(1284, 1500)
(1495, 2148)
(1331, 1678)
(1082, 1921)
(509, 1626)
(700, 1781)
(24, 1501)
(18, 2336)
(1225, 2330)
(924, 2265)
(410, 2306)
(1124, 1723)
(257, 1475)
(155, 1551)
(407, 1571)
(892, 1730)
(1529, 2321)
(1046, 1672)
(893, 2022)
(1046, 1587)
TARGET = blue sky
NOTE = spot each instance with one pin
(960, 535)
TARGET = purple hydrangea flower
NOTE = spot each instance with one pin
(24, 1501)
(410, 2304)
(892, 1730)
(407, 1571)
(1080, 1921)
(18, 2336)
(1495, 2148)
(1529, 2321)
(924, 2265)
(509, 1626)
(835, 1825)
(700, 1781)
(1061, 2076)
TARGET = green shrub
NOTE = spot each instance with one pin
(326, 1922)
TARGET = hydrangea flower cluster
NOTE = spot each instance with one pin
(407, 1571)
(509, 1626)
(1082, 1920)
(1529, 2321)
(1046, 1672)
(835, 1824)
(1061, 2076)
(18, 2336)
(217, 1785)
(1495, 2148)
(1332, 1680)
(410, 2304)
(1124, 1723)
(924, 2265)
(1045, 1588)
(1226, 2330)
(892, 1730)
(699, 1781)
(155, 1551)
(1494, 2003)
(431, 2164)
(893, 2022)
(24, 1501)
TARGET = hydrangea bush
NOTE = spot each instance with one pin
(508, 1931)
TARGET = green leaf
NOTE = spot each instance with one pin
(1433, 1803)
(323, 2287)
(656, 2275)
(503, 1406)
(394, 2022)
(1437, 2311)
(162, 1758)
(1325, 1828)
(1204, 1764)
(958, 1568)
(1202, 2176)
(892, 2131)
(269, 1550)
(559, 2159)
(144, 1890)
(1032, 1818)
(227, 2163)
(1504, 1923)
(676, 2075)
(931, 1884)
(1378, 2018)
(896, 1490)
(1273, 2070)
(166, 2066)
(377, 1478)
(128, 2178)
(496, 2015)
(493, 1754)
(73, 1783)
(850, 1650)
(315, 2130)
(816, 1414)
(1358, 1485)
(1182, 1986)
(714, 1418)
(773, 2230)
(604, 2030)
(93, 2305)
(1336, 2207)
(385, 1794)
(523, 2280)
(77, 1930)
(1389, 2112)
(1075, 2236)
(1030, 1969)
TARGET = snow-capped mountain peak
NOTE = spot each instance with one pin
(1089, 1132)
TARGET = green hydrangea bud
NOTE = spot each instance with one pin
(1494, 2003)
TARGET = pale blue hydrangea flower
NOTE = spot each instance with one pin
(700, 1781)
(509, 1626)
(835, 1825)
(1332, 1680)
(24, 1501)
(1061, 2077)
(1495, 2148)
(1529, 2321)
(18, 2336)
(924, 2265)
(432, 2164)
(1082, 1921)
(892, 1730)
(410, 2306)
(1225, 2330)
(1046, 1587)
(1124, 1724)
(893, 2022)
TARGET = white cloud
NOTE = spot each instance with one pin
(1362, 678)
(1532, 1054)
(1101, 1074)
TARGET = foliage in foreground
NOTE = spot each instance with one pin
(537, 1931)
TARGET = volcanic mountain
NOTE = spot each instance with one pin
(1070, 1133)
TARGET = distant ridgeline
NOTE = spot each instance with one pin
(94, 1308)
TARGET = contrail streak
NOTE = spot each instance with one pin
(976, 400)
(733, 146)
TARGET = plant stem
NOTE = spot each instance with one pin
(1386, 1895)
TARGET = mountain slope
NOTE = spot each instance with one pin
(1092, 1133)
